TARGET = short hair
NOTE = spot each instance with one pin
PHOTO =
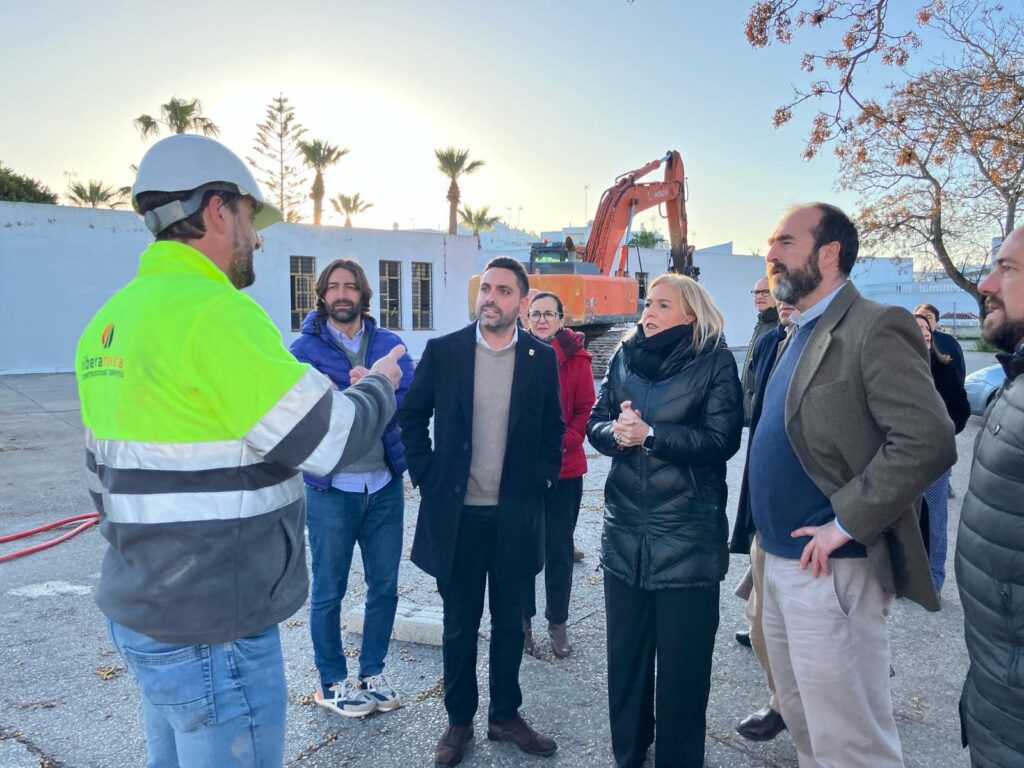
(549, 295)
(507, 262)
(836, 226)
(709, 322)
(928, 308)
(365, 291)
(192, 227)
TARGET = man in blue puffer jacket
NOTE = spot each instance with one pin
(364, 504)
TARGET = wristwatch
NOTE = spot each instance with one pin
(648, 444)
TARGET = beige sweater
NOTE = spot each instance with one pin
(492, 393)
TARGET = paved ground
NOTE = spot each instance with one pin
(65, 699)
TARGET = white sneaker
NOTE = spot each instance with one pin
(382, 692)
(347, 699)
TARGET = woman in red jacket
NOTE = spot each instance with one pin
(561, 503)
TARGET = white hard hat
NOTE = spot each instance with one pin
(190, 163)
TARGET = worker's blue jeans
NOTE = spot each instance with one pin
(208, 706)
(337, 521)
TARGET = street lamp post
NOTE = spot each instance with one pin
(70, 175)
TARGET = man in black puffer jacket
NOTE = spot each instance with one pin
(990, 541)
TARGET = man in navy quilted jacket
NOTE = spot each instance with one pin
(363, 504)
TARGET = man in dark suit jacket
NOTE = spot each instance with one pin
(851, 432)
(492, 391)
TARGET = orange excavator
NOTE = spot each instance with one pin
(593, 284)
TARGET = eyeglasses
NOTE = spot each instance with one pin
(760, 292)
(549, 315)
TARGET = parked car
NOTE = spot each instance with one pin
(982, 386)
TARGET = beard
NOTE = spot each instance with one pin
(496, 323)
(343, 311)
(1007, 335)
(791, 285)
(241, 272)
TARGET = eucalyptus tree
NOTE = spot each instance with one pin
(280, 158)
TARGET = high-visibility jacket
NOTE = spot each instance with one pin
(196, 422)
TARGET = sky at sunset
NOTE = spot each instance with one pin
(552, 95)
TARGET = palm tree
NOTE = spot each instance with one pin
(178, 116)
(646, 239)
(96, 193)
(319, 155)
(452, 163)
(348, 205)
(479, 220)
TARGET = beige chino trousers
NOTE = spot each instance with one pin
(755, 610)
(828, 646)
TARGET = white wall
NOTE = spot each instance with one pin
(59, 264)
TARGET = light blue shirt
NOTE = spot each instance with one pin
(798, 318)
(356, 482)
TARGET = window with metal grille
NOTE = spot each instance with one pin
(391, 295)
(422, 296)
(303, 289)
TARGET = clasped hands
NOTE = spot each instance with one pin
(629, 430)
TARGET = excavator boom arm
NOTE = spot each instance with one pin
(628, 197)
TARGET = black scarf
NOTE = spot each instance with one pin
(646, 354)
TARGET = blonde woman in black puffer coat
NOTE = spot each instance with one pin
(669, 413)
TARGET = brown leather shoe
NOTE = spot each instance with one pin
(559, 640)
(451, 748)
(519, 732)
(763, 725)
(527, 637)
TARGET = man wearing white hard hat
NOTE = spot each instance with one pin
(197, 423)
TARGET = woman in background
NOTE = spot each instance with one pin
(934, 510)
(561, 503)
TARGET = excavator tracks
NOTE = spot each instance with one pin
(602, 347)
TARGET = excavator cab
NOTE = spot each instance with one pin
(558, 259)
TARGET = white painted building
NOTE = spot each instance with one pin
(59, 264)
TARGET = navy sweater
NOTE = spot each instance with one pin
(782, 495)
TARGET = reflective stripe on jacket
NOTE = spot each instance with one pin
(197, 420)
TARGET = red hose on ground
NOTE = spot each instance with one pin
(87, 521)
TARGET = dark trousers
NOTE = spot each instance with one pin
(561, 509)
(463, 597)
(677, 627)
